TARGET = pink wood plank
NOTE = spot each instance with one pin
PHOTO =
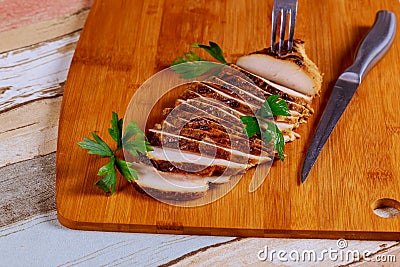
(18, 13)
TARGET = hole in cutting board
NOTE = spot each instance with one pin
(386, 208)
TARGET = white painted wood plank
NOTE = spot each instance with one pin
(42, 241)
(35, 72)
(245, 252)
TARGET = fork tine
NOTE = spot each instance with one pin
(283, 8)
(275, 14)
(282, 31)
(291, 29)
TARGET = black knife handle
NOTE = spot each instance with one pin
(375, 44)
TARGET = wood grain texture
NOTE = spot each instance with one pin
(24, 23)
(358, 165)
(36, 240)
(45, 30)
(34, 193)
(19, 13)
(218, 255)
(41, 241)
(50, 61)
(29, 131)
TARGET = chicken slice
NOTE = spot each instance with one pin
(294, 70)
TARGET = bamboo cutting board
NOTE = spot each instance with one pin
(125, 42)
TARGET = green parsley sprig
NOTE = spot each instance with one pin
(133, 140)
(197, 66)
(271, 107)
(214, 50)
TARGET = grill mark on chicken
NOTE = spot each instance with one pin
(208, 125)
(285, 93)
(267, 90)
(181, 117)
(175, 155)
(222, 131)
(292, 57)
(284, 127)
(159, 138)
(254, 141)
(232, 91)
(236, 113)
(251, 94)
(250, 98)
(209, 110)
(245, 110)
(183, 168)
(228, 100)
(220, 138)
(170, 160)
(209, 106)
(257, 97)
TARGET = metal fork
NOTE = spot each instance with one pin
(284, 8)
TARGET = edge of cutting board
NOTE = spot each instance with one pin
(337, 206)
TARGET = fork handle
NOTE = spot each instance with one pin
(375, 44)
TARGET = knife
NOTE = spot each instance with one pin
(371, 49)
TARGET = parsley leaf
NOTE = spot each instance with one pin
(96, 146)
(116, 129)
(269, 133)
(179, 60)
(278, 108)
(107, 184)
(279, 143)
(214, 50)
(252, 127)
(265, 111)
(131, 129)
(271, 107)
(272, 133)
(133, 139)
(148, 146)
(194, 69)
(134, 147)
(125, 168)
(195, 65)
(192, 56)
(189, 57)
(139, 143)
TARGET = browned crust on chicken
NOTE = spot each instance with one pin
(171, 195)
(196, 146)
(299, 57)
(196, 169)
(267, 88)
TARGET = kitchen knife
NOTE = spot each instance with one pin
(371, 49)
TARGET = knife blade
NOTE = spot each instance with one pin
(371, 49)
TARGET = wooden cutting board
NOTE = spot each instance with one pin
(125, 42)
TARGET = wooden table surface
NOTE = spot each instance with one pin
(37, 41)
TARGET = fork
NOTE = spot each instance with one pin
(283, 8)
